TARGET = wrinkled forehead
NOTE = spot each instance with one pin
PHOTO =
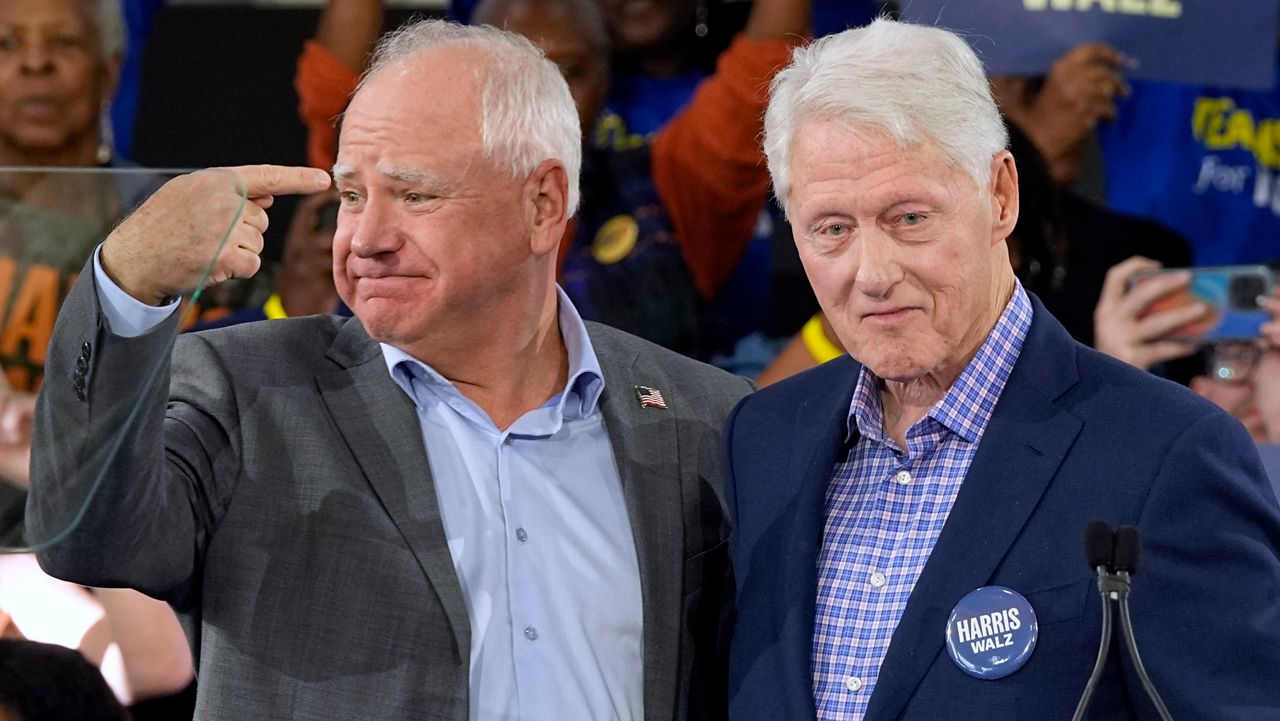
(448, 73)
(428, 92)
(67, 14)
(841, 141)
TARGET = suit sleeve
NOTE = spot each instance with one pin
(1206, 612)
(129, 472)
(708, 165)
(324, 87)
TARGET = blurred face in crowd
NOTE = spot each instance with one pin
(1229, 382)
(639, 25)
(571, 34)
(431, 236)
(906, 255)
(53, 77)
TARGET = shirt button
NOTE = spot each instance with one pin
(531, 633)
(903, 477)
(877, 579)
(853, 683)
(521, 536)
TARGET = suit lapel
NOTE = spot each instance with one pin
(382, 431)
(645, 448)
(1024, 443)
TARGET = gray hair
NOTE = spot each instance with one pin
(916, 83)
(527, 114)
(108, 17)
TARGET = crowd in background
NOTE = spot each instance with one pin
(677, 240)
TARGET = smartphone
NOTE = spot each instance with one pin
(1231, 292)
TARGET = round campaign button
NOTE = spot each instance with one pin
(992, 632)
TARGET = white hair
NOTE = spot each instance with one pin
(527, 115)
(916, 83)
(108, 18)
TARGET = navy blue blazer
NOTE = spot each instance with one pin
(1076, 436)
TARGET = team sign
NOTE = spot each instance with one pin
(1226, 43)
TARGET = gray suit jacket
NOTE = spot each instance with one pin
(273, 487)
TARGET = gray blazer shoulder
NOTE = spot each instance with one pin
(719, 389)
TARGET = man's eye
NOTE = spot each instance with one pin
(349, 196)
(835, 230)
(68, 42)
(912, 218)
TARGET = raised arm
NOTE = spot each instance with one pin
(707, 162)
(328, 69)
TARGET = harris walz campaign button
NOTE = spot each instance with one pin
(992, 632)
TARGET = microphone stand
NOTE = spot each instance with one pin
(1126, 625)
(1111, 587)
(1123, 549)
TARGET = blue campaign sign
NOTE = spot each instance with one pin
(1228, 43)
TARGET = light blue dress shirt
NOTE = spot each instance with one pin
(538, 530)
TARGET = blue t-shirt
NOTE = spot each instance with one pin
(1203, 161)
(645, 103)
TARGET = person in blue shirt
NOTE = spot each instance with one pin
(962, 447)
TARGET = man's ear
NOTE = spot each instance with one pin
(546, 195)
(1004, 196)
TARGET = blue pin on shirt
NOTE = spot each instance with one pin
(992, 632)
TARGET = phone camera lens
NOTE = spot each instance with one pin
(1244, 291)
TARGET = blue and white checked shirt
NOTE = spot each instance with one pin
(885, 508)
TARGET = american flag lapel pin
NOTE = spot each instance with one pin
(650, 397)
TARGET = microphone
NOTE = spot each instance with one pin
(1099, 549)
(1099, 545)
(1128, 549)
(1114, 554)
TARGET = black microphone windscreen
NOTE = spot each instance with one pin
(1099, 543)
(1128, 549)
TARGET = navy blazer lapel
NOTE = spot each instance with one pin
(1024, 443)
(646, 449)
(381, 428)
(820, 442)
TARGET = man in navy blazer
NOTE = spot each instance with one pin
(969, 445)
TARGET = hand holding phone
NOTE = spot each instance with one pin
(1124, 326)
(1227, 295)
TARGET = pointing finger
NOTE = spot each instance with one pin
(260, 180)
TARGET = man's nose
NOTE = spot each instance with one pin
(879, 268)
(376, 230)
(36, 57)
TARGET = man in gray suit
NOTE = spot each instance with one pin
(464, 503)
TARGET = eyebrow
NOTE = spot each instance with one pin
(407, 175)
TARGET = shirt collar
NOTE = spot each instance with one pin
(580, 397)
(967, 406)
